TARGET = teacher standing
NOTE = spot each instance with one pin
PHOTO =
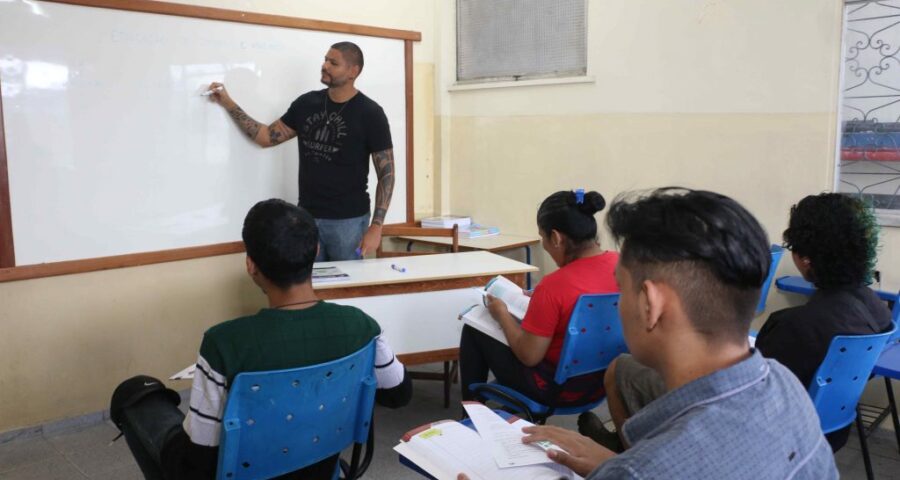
(337, 129)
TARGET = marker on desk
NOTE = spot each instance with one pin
(398, 268)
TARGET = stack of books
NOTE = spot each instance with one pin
(475, 231)
(447, 221)
(467, 229)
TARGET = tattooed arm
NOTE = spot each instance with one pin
(384, 168)
(263, 135)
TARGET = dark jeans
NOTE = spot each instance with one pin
(479, 353)
(154, 433)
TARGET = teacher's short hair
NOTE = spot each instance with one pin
(282, 240)
(351, 52)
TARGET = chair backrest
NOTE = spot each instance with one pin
(593, 338)
(777, 252)
(895, 315)
(842, 376)
(416, 231)
(279, 421)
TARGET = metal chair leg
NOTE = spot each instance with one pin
(864, 446)
(893, 406)
(447, 380)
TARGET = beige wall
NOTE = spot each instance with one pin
(737, 97)
(67, 341)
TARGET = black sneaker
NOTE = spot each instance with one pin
(589, 425)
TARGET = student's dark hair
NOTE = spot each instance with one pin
(704, 245)
(281, 239)
(351, 52)
(838, 234)
(562, 212)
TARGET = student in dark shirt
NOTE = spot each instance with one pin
(833, 240)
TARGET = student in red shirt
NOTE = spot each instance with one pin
(568, 233)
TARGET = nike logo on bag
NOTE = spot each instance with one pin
(147, 384)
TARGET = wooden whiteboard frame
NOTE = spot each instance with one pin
(8, 269)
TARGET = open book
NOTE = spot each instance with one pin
(495, 451)
(328, 274)
(480, 318)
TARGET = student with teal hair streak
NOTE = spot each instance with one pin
(833, 239)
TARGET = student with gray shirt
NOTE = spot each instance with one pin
(690, 271)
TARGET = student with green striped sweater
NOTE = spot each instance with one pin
(295, 330)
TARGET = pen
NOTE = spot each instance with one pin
(398, 268)
(465, 312)
(359, 252)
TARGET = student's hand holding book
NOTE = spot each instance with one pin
(496, 306)
(582, 454)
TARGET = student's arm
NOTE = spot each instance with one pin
(526, 346)
(393, 383)
(192, 451)
(263, 135)
(384, 168)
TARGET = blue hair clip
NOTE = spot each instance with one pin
(579, 195)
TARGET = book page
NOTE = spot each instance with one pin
(479, 318)
(511, 294)
(186, 374)
(504, 439)
(449, 448)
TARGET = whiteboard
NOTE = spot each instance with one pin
(110, 148)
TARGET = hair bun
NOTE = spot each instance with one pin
(593, 203)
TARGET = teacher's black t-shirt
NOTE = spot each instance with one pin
(335, 141)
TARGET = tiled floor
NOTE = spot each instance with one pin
(85, 452)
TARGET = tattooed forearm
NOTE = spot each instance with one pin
(244, 122)
(384, 167)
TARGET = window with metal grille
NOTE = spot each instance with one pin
(869, 152)
(504, 40)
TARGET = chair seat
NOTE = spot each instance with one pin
(537, 409)
(888, 364)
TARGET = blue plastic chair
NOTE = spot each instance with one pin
(840, 380)
(777, 252)
(888, 366)
(593, 339)
(280, 421)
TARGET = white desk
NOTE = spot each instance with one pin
(493, 243)
(418, 309)
(423, 273)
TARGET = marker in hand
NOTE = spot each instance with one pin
(398, 268)
(359, 252)
(211, 91)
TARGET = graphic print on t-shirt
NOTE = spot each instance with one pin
(321, 138)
